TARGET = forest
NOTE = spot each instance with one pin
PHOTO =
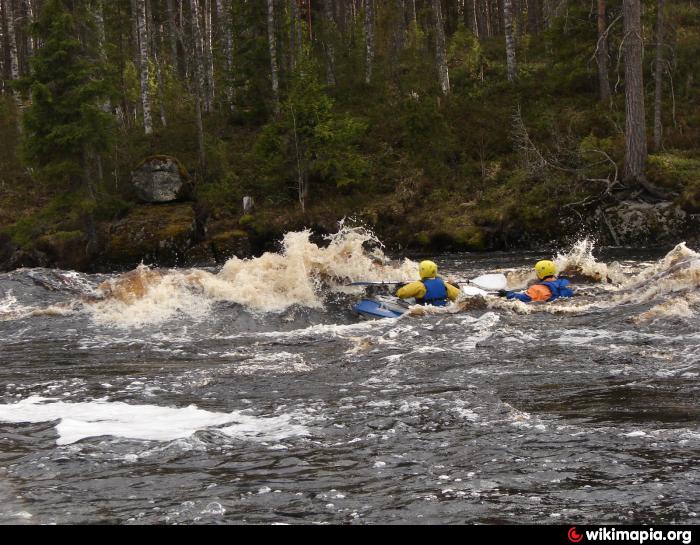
(438, 124)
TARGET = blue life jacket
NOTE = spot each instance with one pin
(559, 288)
(435, 292)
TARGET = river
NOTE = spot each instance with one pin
(251, 393)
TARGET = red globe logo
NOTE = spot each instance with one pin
(574, 536)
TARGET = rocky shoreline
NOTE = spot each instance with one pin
(170, 228)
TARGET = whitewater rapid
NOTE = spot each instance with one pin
(253, 394)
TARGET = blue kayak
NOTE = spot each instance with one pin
(381, 306)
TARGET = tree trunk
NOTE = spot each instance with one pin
(635, 127)
(272, 41)
(173, 36)
(412, 16)
(478, 19)
(159, 72)
(14, 59)
(208, 58)
(100, 24)
(400, 31)
(440, 51)
(296, 38)
(602, 53)
(12, 40)
(497, 18)
(534, 16)
(101, 39)
(3, 49)
(199, 81)
(658, 74)
(469, 18)
(144, 68)
(511, 64)
(369, 39)
(329, 30)
(488, 27)
(29, 8)
(223, 15)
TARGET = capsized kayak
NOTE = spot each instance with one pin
(389, 306)
(381, 306)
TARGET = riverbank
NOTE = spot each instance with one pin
(413, 218)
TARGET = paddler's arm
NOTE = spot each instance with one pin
(414, 289)
(524, 297)
(452, 291)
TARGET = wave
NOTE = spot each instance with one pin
(306, 275)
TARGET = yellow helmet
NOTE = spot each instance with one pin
(427, 269)
(545, 268)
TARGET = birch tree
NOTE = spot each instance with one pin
(328, 41)
(9, 10)
(272, 43)
(440, 51)
(198, 80)
(223, 16)
(156, 64)
(511, 66)
(208, 58)
(143, 65)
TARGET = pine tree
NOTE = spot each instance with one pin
(65, 126)
(635, 125)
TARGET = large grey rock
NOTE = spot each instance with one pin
(641, 223)
(160, 179)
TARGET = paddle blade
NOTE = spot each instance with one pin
(378, 283)
(490, 282)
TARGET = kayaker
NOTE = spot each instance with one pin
(548, 289)
(429, 290)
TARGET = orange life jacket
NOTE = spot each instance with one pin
(539, 292)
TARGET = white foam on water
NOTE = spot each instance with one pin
(299, 274)
(580, 259)
(154, 298)
(11, 309)
(679, 255)
(278, 362)
(672, 280)
(79, 421)
(319, 330)
(8, 304)
(677, 307)
(680, 278)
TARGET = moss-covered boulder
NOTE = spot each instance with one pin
(65, 249)
(161, 179)
(153, 234)
(640, 223)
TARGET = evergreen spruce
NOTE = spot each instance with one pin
(65, 126)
